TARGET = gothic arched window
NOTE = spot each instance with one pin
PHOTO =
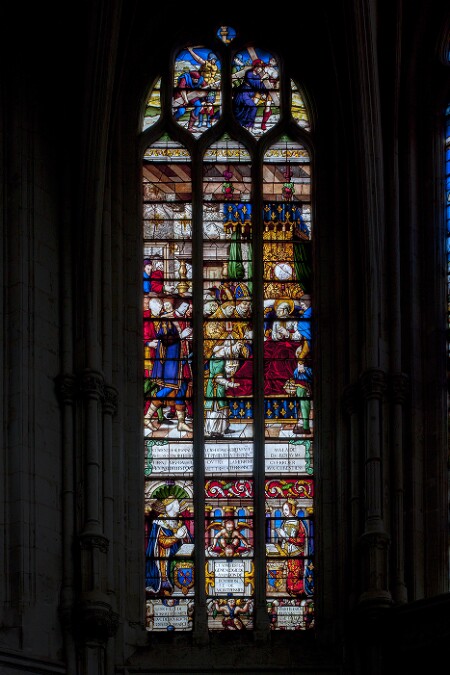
(228, 369)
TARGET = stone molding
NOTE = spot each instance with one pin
(91, 540)
(373, 384)
(66, 386)
(399, 387)
(89, 385)
(96, 621)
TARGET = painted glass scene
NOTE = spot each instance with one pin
(227, 309)
(298, 108)
(196, 101)
(169, 567)
(256, 90)
(153, 106)
(168, 414)
(252, 315)
(229, 553)
(226, 34)
(290, 548)
(288, 382)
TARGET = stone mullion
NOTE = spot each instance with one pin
(261, 616)
(200, 614)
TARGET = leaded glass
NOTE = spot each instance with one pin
(228, 331)
(251, 457)
(167, 335)
(298, 107)
(226, 34)
(256, 97)
(229, 549)
(169, 569)
(196, 95)
(288, 381)
(153, 106)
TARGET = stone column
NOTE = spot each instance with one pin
(67, 392)
(399, 391)
(374, 539)
(351, 404)
(96, 619)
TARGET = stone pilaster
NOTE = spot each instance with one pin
(374, 541)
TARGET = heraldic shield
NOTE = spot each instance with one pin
(184, 575)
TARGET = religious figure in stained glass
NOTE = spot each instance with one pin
(196, 96)
(229, 540)
(225, 381)
(255, 90)
(291, 543)
(168, 569)
(165, 539)
(171, 370)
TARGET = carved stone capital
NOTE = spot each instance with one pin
(66, 387)
(375, 539)
(96, 620)
(399, 387)
(373, 383)
(90, 540)
(110, 399)
(92, 384)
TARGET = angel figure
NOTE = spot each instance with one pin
(229, 541)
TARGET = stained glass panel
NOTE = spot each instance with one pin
(196, 101)
(228, 328)
(169, 568)
(256, 95)
(153, 106)
(168, 409)
(298, 108)
(229, 551)
(290, 549)
(226, 34)
(288, 378)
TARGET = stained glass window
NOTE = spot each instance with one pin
(153, 106)
(228, 423)
(196, 92)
